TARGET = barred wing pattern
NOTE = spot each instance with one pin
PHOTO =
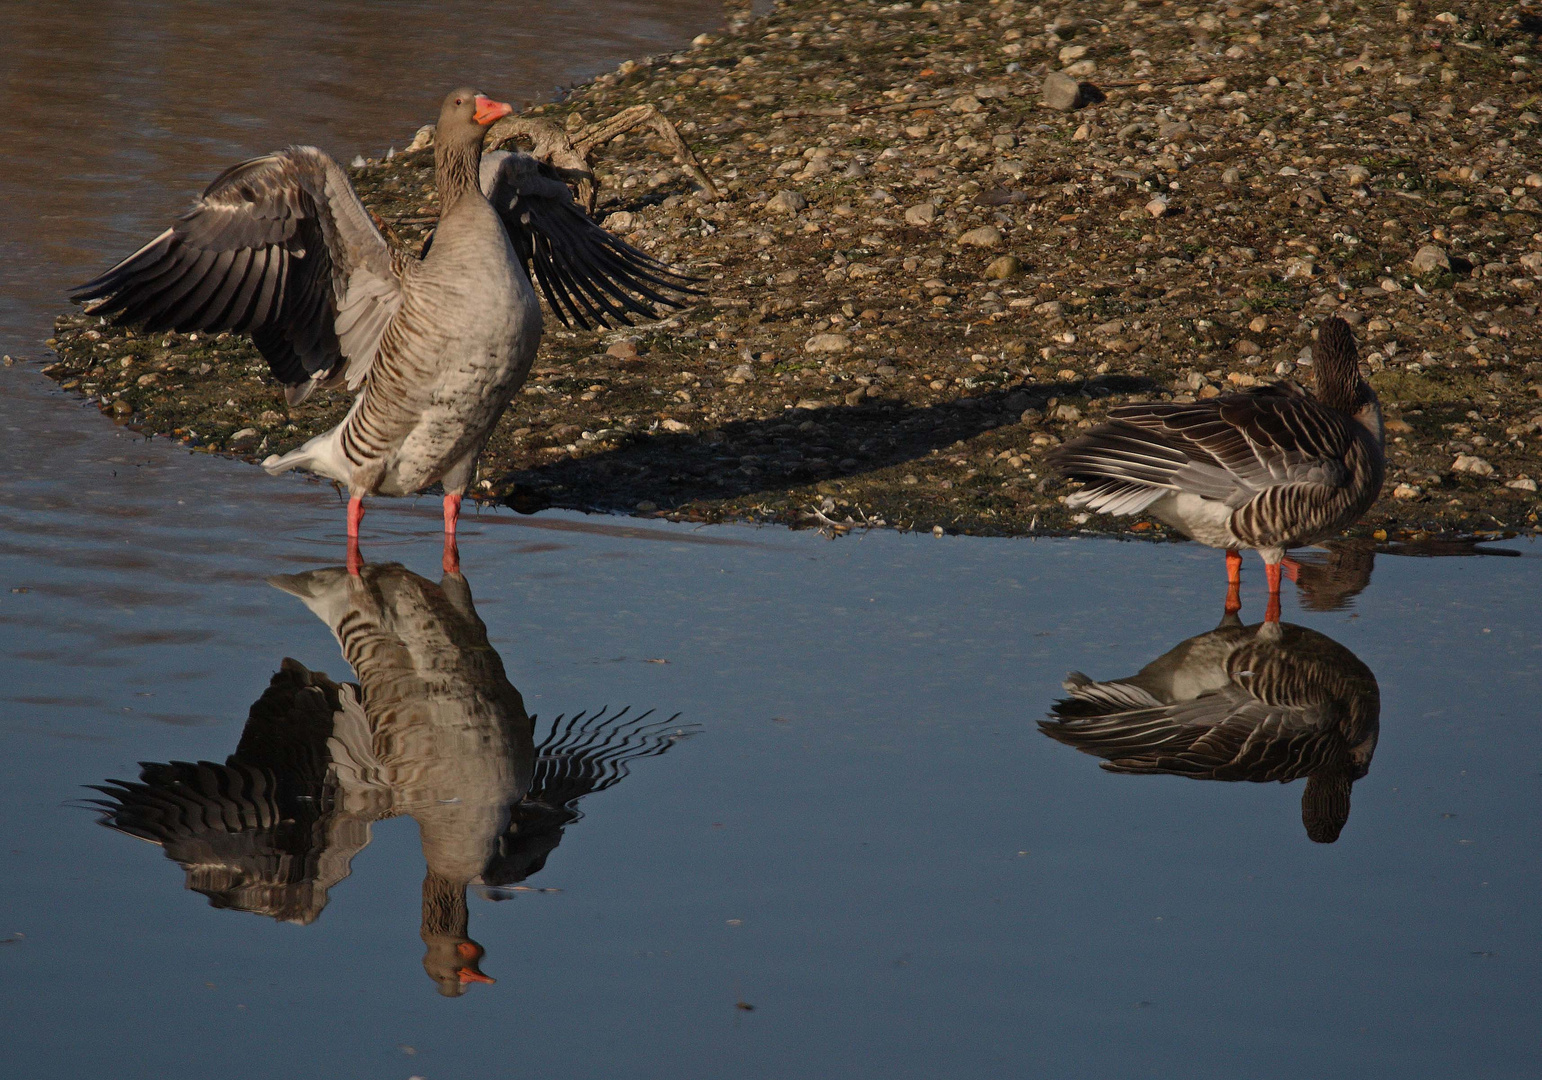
(576, 757)
(1231, 450)
(278, 247)
(262, 832)
(589, 277)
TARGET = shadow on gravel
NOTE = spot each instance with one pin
(743, 458)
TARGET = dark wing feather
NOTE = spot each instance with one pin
(1229, 449)
(588, 276)
(272, 248)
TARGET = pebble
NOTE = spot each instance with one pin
(986, 236)
(1430, 258)
(1407, 491)
(1473, 466)
(1066, 93)
(622, 221)
(1522, 483)
(675, 426)
(827, 343)
(786, 202)
(921, 214)
(1157, 207)
(1232, 175)
(1007, 266)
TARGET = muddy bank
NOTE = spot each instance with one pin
(922, 276)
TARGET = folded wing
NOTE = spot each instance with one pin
(589, 277)
(278, 247)
(1229, 450)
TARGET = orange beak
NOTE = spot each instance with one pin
(489, 110)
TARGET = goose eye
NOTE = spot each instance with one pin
(460, 101)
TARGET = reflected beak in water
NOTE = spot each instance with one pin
(471, 953)
(489, 110)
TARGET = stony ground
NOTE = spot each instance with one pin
(922, 275)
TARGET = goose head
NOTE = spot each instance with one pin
(1336, 376)
(464, 118)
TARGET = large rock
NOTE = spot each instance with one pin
(1067, 93)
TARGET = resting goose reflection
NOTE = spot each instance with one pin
(1273, 701)
(433, 730)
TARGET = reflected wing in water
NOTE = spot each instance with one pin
(263, 832)
(577, 757)
(1272, 702)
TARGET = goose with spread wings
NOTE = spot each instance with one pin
(1270, 469)
(1271, 702)
(280, 248)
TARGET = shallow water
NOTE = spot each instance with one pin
(840, 811)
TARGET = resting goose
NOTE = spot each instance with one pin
(281, 248)
(1269, 469)
(1272, 702)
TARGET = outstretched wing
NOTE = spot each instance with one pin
(1229, 449)
(588, 275)
(278, 247)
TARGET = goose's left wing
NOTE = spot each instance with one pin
(589, 276)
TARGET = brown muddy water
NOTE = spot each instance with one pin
(704, 802)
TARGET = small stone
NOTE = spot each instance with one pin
(622, 221)
(1232, 175)
(986, 236)
(1065, 93)
(827, 343)
(1157, 207)
(921, 214)
(1001, 269)
(1522, 483)
(246, 434)
(623, 350)
(672, 425)
(1248, 348)
(1069, 413)
(1072, 53)
(422, 140)
(786, 202)
(1534, 180)
(1357, 174)
(937, 531)
(647, 506)
(1407, 491)
(121, 408)
(1430, 258)
(966, 103)
(1473, 466)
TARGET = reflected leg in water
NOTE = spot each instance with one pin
(1272, 611)
(355, 559)
(451, 561)
(1233, 582)
(1291, 568)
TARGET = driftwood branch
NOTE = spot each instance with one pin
(571, 151)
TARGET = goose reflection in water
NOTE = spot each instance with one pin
(1272, 701)
(433, 730)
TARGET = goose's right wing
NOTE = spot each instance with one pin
(278, 247)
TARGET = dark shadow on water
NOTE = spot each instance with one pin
(432, 730)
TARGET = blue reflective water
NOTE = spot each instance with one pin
(867, 839)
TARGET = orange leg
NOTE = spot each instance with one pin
(1272, 611)
(1234, 567)
(355, 515)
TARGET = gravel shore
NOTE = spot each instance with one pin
(940, 252)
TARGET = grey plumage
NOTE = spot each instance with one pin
(1272, 702)
(1270, 468)
(281, 248)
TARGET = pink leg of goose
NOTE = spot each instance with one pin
(355, 516)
